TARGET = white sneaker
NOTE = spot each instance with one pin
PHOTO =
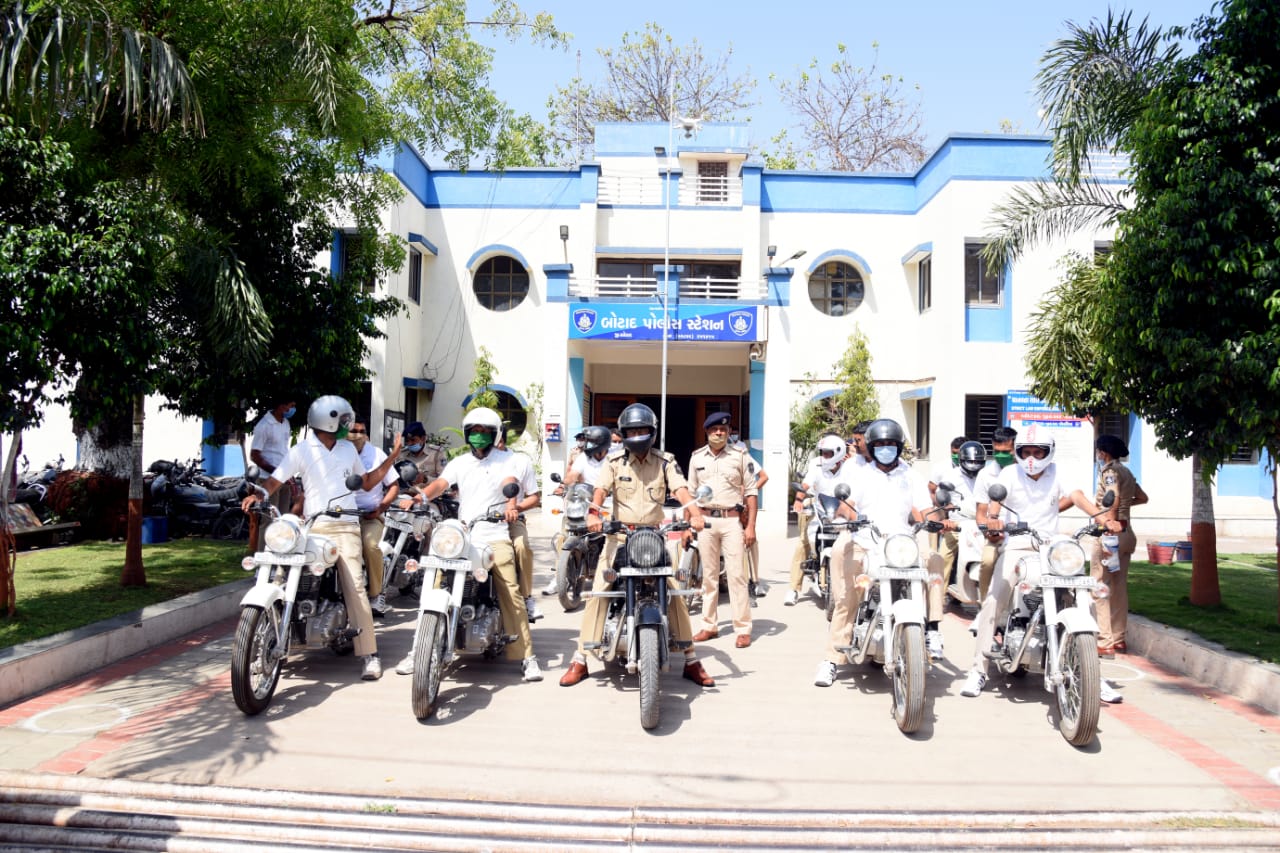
(378, 604)
(1109, 694)
(826, 674)
(531, 605)
(372, 668)
(974, 683)
(553, 588)
(405, 667)
(792, 598)
(933, 642)
(529, 670)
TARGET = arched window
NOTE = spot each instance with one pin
(501, 283)
(836, 288)
(513, 414)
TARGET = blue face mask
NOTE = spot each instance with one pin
(414, 448)
(885, 455)
(289, 412)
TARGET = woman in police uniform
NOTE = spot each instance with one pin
(1113, 476)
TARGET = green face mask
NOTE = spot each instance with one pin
(1004, 457)
(342, 432)
(479, 440)
(955, 458)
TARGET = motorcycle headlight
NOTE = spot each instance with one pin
(645, 549)
(282, 535)
(575, 507)
(901, 551)
(1066, 558)
(450, 540)
(421, 524)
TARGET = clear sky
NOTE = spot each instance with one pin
(974, 62)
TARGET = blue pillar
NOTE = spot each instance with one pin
(757, 413)
(557, 281)
(779, 280)
(576, 418)
(220, 460)
(668, 284)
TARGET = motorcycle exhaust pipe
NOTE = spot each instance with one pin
(1027, 637)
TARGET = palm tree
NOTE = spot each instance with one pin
(1093, 84)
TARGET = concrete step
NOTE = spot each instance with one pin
(52, 812)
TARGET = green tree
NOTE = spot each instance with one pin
(1193, 286)
(640, 77)
(853, 117)
(855, 400)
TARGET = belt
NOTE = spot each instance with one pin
(732, 512)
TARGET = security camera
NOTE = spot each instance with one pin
(756, 352)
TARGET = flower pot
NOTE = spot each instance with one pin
(1160, 553)
(1182, 551)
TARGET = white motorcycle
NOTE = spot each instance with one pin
(964, 578)
(458, 614)
(890, 623)
(404, 530)
(295, 602)
(1050, 627)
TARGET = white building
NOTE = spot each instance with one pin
(565, 275)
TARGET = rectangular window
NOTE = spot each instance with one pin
(1243, 456)
(982, 415)
(713, 181)
(415, 277)
(1112, 423)
(353, 260)
(924, 284)
(981, 286)
(1102, 251)
(924, 412)
(411, 404)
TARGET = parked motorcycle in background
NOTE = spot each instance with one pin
(296, 601)
(179, 492)
(1050, 627)
(33, 487)
(458, 612)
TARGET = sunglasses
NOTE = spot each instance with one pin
(357, 432)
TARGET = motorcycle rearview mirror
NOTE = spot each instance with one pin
(1108, 500)
(997, 493)
(943, 495)
(354, 482)
(703, 493)
(407, 472)
(843, 491)
(510, 490)
(252, 473)
(556, 478)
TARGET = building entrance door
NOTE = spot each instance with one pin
(685, 416)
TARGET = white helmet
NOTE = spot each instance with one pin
(1035, 435)
(330, 413)
(835, 445)
(482, 417)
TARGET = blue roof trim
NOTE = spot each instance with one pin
(822, 395)
(917, 393)
(424, 243)
(486, 252)
(914, 254)
(496, 387)
(420, 384)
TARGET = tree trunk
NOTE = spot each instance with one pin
(1275, 505)
(8, 549)
(1204, 540)
(106, 447)
(134, 574)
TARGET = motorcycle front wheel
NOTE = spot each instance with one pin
(907, 664)
(255, 668)
(649, 676)
(569, 579)
(1079, 694)
(824, 585)
(428, 664)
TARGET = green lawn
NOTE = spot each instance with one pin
(63, 588)
(1246, 619)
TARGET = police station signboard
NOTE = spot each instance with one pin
(594, 321)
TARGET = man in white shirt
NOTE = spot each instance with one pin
(1002, 440)
(1037, 493)
(372, 504)
(585, 468)
(530, 497)
(324, 460)
(891, 496)
(480, 476)
(824, 474)
(272, 436)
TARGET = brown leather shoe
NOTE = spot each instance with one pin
(575, 673)
(1106, 651)
(1120, 648)
(695, 673)
(743, 641)
(703, 636)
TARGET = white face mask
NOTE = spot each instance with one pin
(885, 455)
(615, 447)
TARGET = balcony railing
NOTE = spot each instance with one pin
(694, 191)
(690, 288)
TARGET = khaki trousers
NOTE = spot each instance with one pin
(370, 536)
(804, 550)
(597, 609)
(346, 536)
(1113, 611)
(515, 618)
(847, 560)
(996, 603)
(723, 536)
(524, 555)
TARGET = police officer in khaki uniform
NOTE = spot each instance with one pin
(428, 457)
(1113, 568)
(731, 474)
(638, 478)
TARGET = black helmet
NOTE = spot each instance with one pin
(973, 456)
(885, 430)
(635, 416)
(596, 440)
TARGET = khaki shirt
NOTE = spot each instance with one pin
(1116, 477)
(731, 474)
(430, 461)
(639, 489)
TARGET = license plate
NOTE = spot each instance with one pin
(632, 571)
(1074, 582)
(433, 562)
(902, 574)
(280, 559)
